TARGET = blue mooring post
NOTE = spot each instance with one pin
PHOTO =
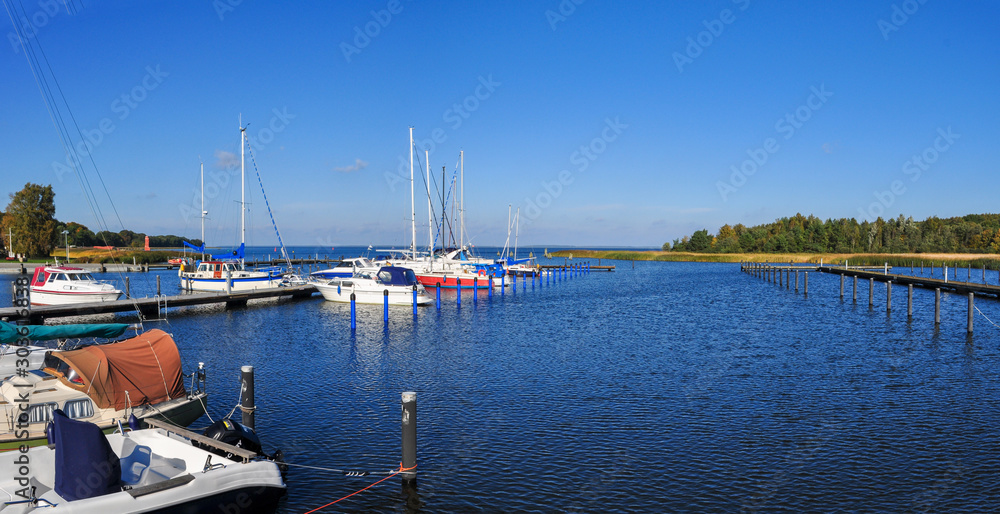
(354, 317)
(513, 283)
(532, 281)
(524, 282)
(385, 306)
(414, 300)
(458, 287)
(475, 290)
(490, 294)
(503, 285)
(439, 295)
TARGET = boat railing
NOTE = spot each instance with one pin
(243, 453)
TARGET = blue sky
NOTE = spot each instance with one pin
(608, 124)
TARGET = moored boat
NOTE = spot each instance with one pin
(147, 470)
(392, 282)
(61, 285)
(102, 384)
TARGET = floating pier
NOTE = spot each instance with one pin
(150, 306)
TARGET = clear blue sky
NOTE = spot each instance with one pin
(664, 109)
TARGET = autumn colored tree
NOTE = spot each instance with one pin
(30, 215)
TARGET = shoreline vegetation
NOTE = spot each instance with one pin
(975, 260)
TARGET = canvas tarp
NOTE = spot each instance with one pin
(143, 369)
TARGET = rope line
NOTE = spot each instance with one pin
(348, 472)
(394, 473)
(985, 316)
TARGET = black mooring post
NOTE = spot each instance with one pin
(246, 397)
(408, 464)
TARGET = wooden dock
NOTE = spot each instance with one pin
(152, 307)
(923, 282)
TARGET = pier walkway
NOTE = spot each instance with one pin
(150, 306)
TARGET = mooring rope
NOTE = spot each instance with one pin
(345, 472)
(394, 473)
(985, 316)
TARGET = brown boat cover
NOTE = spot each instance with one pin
(143, 369)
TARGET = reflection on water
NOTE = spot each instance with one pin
(670, 387)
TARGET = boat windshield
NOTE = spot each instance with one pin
(411, 277)
(85, 276)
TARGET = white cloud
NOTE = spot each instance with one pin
(357, 166)
(226, 160)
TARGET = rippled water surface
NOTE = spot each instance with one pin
(660, 388)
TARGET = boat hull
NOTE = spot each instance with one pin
(397, 295)
(238, 283)
(451, 281)
(43, 297)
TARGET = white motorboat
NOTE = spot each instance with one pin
(60, 285)
(148, 470)
(345, 269)
(392, 282)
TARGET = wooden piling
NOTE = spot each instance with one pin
(971, 308)
(841, 287)
(806, 283)
(409, 425)
(854, 298)
(157, 285)
(247, 408)
(796, 281)
(871, 292)
(128, 292)
(909, 301)
(937, 306)
(888, 296)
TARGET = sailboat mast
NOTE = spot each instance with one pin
(461, 201)
(430, 215)
(413, 209)
(243, 188)
(517, 226)
(203, 211)
(444, 210)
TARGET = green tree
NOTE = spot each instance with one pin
(31, 217)
(700, 241)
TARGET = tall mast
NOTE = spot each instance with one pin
(413, 211)
(430, 215)
(461, 202)
(243, 188)
(444, 210)
(203, 211)
(517, 226)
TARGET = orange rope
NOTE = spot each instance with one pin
(394, 473)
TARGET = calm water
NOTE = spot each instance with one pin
(668, 387)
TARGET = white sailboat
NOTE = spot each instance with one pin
(231, 274)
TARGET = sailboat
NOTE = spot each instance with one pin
(228, 272)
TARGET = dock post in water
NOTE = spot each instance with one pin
(502, 284)
(788, 278)
(806, 283)
(409, 424)
(888, 296)
(937, 305)
(871, 292)
(229, 281)
(842, 286)
(490, 293)
(385, 306)
(909, 301)
(458, 288)
(780, 279)
(157, 285)
(247, 408)
(475, 289)
(796, 281)
(854, 297)
(128, 292)
(354, 313)
(414, 300)
(438, 294)
(971, 308)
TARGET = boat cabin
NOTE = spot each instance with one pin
(44, 274)
(217, 268)
(396, 276)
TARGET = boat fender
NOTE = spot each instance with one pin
(230, 432)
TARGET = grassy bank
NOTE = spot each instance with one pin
(991, 261)
(122, 255)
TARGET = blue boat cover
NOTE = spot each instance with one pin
(10, 333)
(85, 464)
(396, 276)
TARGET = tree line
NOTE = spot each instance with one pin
(30, 217)
(973, 233)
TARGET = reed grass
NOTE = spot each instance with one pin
(990, 261)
